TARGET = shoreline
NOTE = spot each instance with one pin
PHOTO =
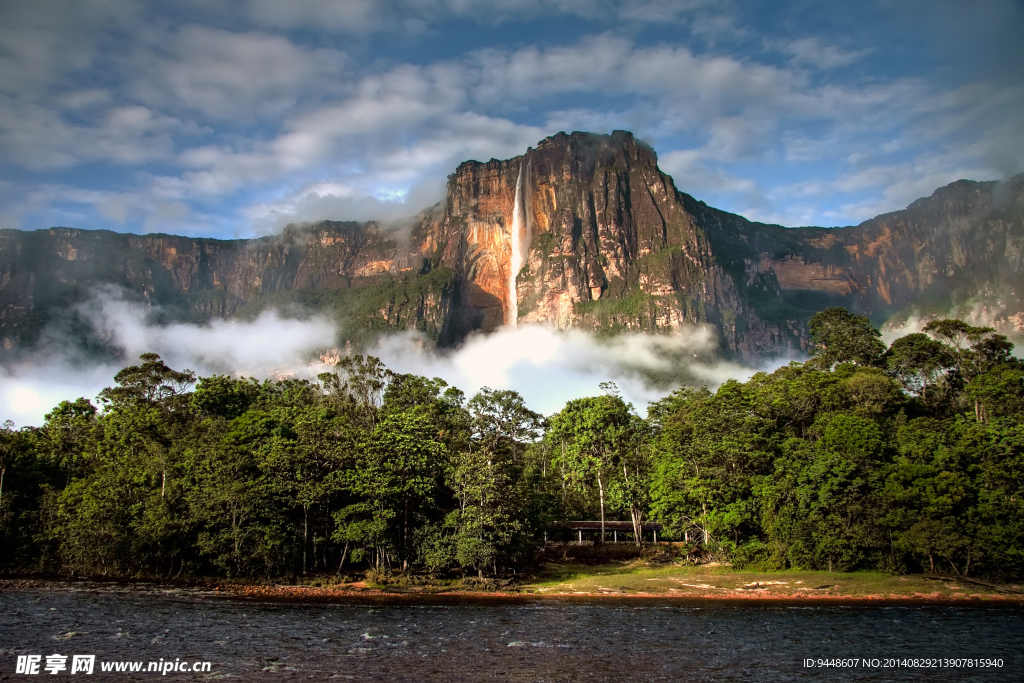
(360, 593)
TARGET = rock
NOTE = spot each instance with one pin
(613, 245)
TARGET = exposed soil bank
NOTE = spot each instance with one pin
(660, 583)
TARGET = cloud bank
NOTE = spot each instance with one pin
(268, 346)
(547, 366)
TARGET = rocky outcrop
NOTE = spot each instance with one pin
(606, 241)
(612, 247)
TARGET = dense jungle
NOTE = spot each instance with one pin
(901, 459)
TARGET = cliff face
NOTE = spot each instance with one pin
(961, 248)
(600, 239)
(44, 274)
(610, 245)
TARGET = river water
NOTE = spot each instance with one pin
(504, 640)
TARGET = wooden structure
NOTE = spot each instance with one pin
(580, 526)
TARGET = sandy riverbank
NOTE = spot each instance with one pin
(603, 582)
(311, 593)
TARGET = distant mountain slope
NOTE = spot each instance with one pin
(604, 239)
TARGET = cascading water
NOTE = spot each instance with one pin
(520, 248)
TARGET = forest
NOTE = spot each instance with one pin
(900, 459)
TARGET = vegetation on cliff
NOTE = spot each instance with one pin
(866, 457)
(371, 306)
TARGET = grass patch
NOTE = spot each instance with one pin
(647, 576)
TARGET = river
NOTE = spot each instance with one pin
(507, 639)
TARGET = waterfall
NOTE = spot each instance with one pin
(520, 248)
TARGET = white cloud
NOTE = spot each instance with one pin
(347, 15)
(339, 201)
(225, 74)
(39, 138)
(414, 118)
(358, 17)
(43, 42)
(662, 11)
(256, 105)
(814, 53)
(268, 346)
(547, 366)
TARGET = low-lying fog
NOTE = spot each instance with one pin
(547, 366)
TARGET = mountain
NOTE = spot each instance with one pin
(582, 231)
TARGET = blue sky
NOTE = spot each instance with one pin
(233, 118)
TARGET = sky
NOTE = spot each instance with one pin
(233, 118)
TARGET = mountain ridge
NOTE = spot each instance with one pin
(606, 240)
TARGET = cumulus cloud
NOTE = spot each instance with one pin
(416, 16)
(346, 202)
(42, 42)
(736, 106)
(38, 138)
(349, 15)
(814, 53)
(227, 74)
(251, 109)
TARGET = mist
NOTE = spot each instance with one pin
(977, 314)
(394, 209)
(270, 346)
(547, 366)
(550, 367)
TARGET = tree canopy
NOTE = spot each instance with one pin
(903, 458)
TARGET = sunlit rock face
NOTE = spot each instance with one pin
(612, 247)
(615, 246)
(472, 236)
(605, 242)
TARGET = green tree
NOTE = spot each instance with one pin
(632, 492)
(239, 526)
(489, 514)
(66, 434)
(821, 504)
(593, 435)
(395, 473)
(224, 397)
(302, 457)
(8, 447)
(502, 424)
(356, 386)
(151, 383)
(917, 361)
(837, 337)
(487, 481)
(928, 494)
(710, 451)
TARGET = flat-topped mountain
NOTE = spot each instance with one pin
(582, 231)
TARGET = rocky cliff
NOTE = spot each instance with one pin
(609, 245)
(958, 252)
(582, 231)
(357, 270)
